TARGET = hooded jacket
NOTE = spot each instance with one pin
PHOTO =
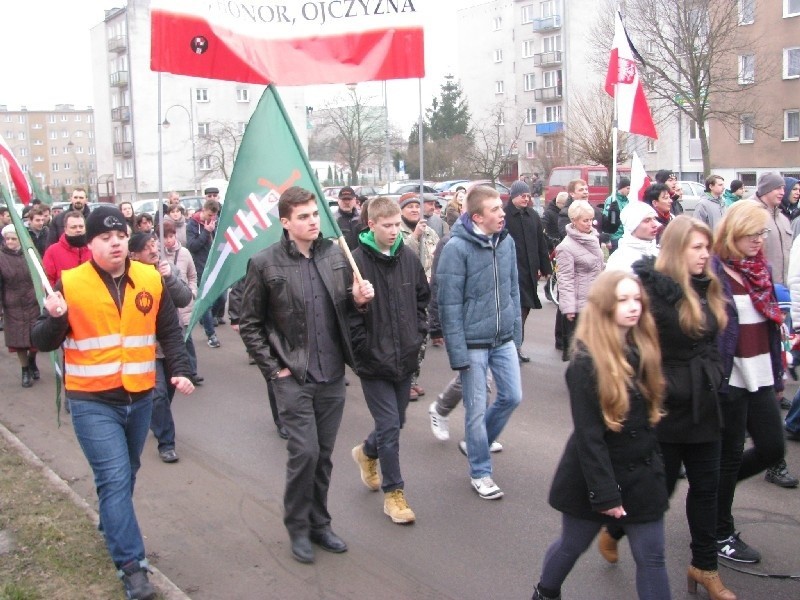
(630, 250)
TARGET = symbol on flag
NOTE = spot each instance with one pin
(626, 71)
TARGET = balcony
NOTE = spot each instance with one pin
(546, 59)
(550, 128)
(121, 114)
(119, 79)
(547, 24)
(118, 44)
(123, 149)
(547, 94)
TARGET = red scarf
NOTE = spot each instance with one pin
(758, 283)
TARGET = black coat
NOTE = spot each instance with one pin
(601, 469)
(387, 337)
(525, 226)
(550, 222)
(692, 366)
(56, 227)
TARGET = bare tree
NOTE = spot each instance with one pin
(691, 49)
(218, 147)
(492, 147)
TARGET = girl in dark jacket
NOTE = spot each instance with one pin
(611, 470)
(688, 306)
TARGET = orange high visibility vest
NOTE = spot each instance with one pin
(104, 349)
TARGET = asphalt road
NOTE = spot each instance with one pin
(213, 521)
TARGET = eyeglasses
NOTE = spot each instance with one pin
(754, 237)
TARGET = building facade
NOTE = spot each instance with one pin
(56, 147)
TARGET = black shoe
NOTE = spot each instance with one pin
(733, 548)
(168, 456)
(34, 369)
(137, 587)
(786, 404)
(282, 433)
(538, 595)
(779, 475)
(793, 435)
(26, 377)
(523, 358)
(328, 541)
(301, 550)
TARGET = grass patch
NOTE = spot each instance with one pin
(56, 552)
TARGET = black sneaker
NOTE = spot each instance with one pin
(736, 550)
(134, 578)
(780, 476)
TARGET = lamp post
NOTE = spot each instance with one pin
(165, 124)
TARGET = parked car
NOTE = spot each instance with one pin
(370, 191)
(397, 189)
(693, 192)
(596, 176)
(502, 189)
(447, 189)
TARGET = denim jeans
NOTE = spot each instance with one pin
(647, 546)
(452, 394)
(387, 402)
(483, 425)
(162, 424)
(112, 438)
(793, 416)
(207, 321)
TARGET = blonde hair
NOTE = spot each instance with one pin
(578, 209)
(744, 217)
(561, 199)
(671, 262)
(598, 332)
(381, 207)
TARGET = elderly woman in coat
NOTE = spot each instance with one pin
(20, 306)
(580, 261)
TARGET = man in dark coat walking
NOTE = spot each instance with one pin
(533, 261)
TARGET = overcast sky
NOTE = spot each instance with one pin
(46, 58)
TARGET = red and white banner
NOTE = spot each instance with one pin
(17, 174)
(296, 42)
(622, 82)
(639, 179)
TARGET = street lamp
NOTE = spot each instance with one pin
(165, 124)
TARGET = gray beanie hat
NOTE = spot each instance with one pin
(518, 188)
(768, 182)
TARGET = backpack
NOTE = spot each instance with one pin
(611, 218)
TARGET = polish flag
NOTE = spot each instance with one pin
(17, 174)
(622, 81)
(639, 178)
(296, 42)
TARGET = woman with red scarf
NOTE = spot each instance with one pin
(751, 353)
(657, 196)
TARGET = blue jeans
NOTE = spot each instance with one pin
(793, 417)
(112, 438)
(483, 425)
(162, 424)
(207, 321)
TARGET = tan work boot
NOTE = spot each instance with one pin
(369, 468)
(396, 507)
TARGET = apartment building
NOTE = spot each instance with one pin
(203, 119)
(56, 146)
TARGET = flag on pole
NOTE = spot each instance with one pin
(270, 160)
(40, 192)
(17, 174)
(623, 84)
(296, 42)
(639, 179)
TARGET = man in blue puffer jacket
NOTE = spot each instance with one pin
(480, 315)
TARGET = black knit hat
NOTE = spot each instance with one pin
(102, 219)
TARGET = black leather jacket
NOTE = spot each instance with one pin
(272, 322)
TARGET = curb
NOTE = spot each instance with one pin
(165, 586)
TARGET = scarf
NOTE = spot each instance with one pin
(758, 283)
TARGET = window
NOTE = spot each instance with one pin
(53, 151)
(498, 23)
(791, 125)
(66, 150)
(549, 148)
(551, 43)
(21, 135)
(203, 129)
(747, 69)
(37, 126)
(530, 116)
(51, 118)
(499, 87)
(91, 149)
(89, 118)
(547, 9)
(242, 126)
(67, 167)
(498, 56)
(22, 151)
(38, 143)
(527, 14)
(78, 118)
(693, 131)
(68, 181)
(528, 49)
(78, 149)
(24, 167)
(53, 135)
(747, 12)
(64, 118)
(746, 132)
(552, 114)
(201, 94)
(205, 163)
(791, 62)
(22, 119)
(550, 78)
(38, 159)
(9, 134)
(530, 149)
(55, 181)
(791, 8)
(529, 81)
(242, 95)
(127, 168)
(64, 133)
(54, 167)
(78, 134)
(651, 145)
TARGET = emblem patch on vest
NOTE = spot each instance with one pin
(144, 302)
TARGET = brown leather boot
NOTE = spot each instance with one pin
(709, 580)
(607, 546)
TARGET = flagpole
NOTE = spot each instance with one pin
(160, 207)
(614, 134)
(421, 146)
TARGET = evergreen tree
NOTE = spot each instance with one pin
(329, 180)
(449, 114)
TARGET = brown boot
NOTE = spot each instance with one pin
(607, 546)
(709, 580)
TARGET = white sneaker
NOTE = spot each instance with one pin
(495, 446)
(439, 424)
(487, 488)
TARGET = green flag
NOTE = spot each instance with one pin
(40, 193)
(270, 160)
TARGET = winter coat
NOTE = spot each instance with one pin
(198, 241)
(61, 256)
(629, 250)
(622, 202)
(434, 322)
(601, 469)
(349, 224)
(692, 366)
(550, 222)
(387, 336)
(778, 245)
(478, 292)
(18, 297)
(794, 283)
(181, 261)
(424, 248)
(436, 223)
(180, 228)
(580, 261)
(40, 239)
(710, 210)
(525, 226)
(56, 228)
(181, 294)
(792, 211)
(729, 198)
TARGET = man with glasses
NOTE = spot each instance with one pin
(78, 202)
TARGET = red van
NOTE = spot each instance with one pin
(596, 176)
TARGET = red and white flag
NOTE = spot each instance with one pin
(17, 174)
(639, 178)
(296, 42)
(622, 81)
